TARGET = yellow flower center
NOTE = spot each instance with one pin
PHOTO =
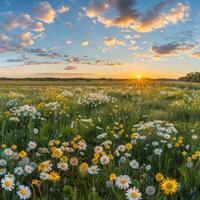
(23, 192)
(7, 183)
(123, 181)
(133, 194)
(169, 186)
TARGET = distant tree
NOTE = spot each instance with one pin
(191, 77)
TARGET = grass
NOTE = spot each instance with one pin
(156, 128)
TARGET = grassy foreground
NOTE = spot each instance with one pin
(95, 140)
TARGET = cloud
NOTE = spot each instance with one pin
(11, 21)
(68, 42)
(45, 63)
(44, 12)
(39, 50)
(110, 41)
(63, 9)
(96, 8)
(155, 20)
(14, 60)
(26, 39)
(196, 55)
(141, 55)
(172, 48)
(70, 68)
(129, 17)
(92, 61)
(84, 43)
(37, 27)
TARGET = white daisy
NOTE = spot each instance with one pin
(32, 145)
(3, 162)
(134, 164)
(28, 169)
(133, 194)
(104, 159)
(8, 151)
(63, 166)
(19, 171)
(93, 170)
(158, 151)
(24, 192)
(44, 176)
(123, 182)
(7, 184)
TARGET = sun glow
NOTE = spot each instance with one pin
(138, 77)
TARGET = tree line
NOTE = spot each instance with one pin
(191, 77)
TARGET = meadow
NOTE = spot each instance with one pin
(99, 140)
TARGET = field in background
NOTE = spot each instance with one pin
(100, 139)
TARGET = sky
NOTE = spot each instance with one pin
(99, 38)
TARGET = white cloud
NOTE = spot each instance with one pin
(44, 12)
(68, 42)
(26, 39)
(63, 9)
(84, 43)
(96, 8)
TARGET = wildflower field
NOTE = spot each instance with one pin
(108, 141)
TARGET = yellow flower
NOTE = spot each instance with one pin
(57, 153)
(96, 155)
(22, 154)
(174, 139)
(14, 147)
(128, 146)
(113, 177)
(177, 145)
(197, 153)
(57, 142)
(51, 143)
(3, 146)
(159, 177)
(36, 182)
(169, 186)
(54, 176)
(64, 158)
(184, 153)
(7, 114)
(107, 147)
(194, 157)
(180, 141)
(111, 156)
(134, 136)
(95, 161)
(189, 159)
(83, 167)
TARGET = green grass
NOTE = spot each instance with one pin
(63, 117)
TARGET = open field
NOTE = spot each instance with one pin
(99, 139)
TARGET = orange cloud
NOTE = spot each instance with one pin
(174, 15)
(196, 55)
(110, 41)
(44, 12)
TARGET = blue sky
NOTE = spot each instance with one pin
(103, 38)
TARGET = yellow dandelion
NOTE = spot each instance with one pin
(22, 154)
(169, 186)
(113, 177)
(159, 177)
(54, 176)
(128, 146)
